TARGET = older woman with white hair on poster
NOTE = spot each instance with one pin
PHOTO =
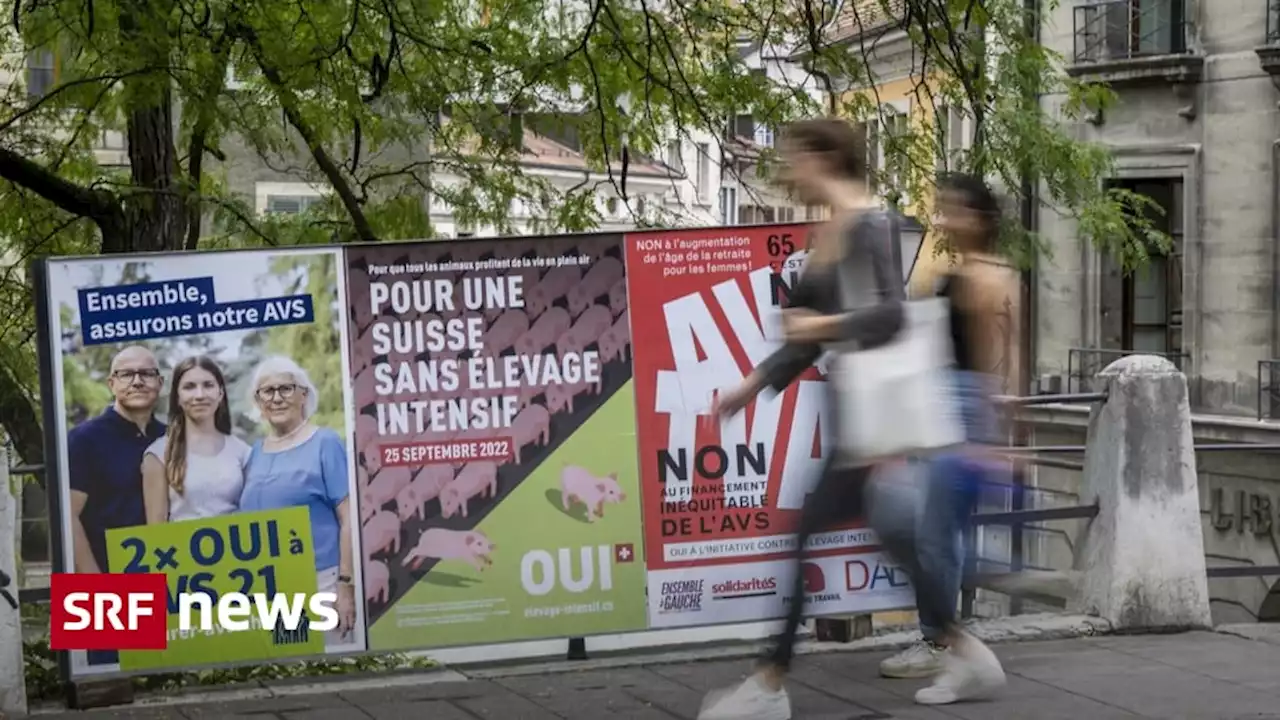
(302, 464)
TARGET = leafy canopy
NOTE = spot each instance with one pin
(384, 102)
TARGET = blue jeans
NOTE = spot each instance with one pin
(951, 494)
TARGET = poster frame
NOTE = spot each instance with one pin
(54, 439)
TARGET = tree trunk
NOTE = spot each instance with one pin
(21, 419)
(155, 209)
(155, 212)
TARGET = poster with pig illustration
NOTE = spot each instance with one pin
(495, 438)
(721, 498)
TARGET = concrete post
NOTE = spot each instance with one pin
(1143, 557)
(13, 689)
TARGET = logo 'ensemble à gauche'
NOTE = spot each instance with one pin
(108, 611)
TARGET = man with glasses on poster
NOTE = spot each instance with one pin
(104, 464)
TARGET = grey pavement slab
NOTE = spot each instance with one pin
(1190, 676)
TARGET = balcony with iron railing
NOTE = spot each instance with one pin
(1269, 50)
(1137, 42)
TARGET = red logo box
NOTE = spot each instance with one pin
(108, 611)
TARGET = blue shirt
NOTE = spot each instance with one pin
(312, 474)
(104, 461)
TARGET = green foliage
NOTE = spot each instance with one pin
(400, 108)
(982, 58)
(397, 108)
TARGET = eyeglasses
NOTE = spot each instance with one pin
(146, 375)
(284, 391)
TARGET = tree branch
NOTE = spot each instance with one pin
(100, 206)
(289, 103)
(199, 137)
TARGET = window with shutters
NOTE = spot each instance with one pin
(675, 156)
(1150, 297)
(290, 204)
(954, 136)
(704, 173)
(888, 161)
(728, 205)
(42, 72)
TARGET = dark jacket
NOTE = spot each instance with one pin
(871, 302)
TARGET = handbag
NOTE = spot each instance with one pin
(897, 398)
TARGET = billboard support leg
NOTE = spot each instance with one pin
(577, 648)
(13, 689)
(842, 629)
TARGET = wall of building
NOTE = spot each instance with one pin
(1219, 138)
(1239, 500)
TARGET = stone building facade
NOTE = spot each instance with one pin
(1195, 129)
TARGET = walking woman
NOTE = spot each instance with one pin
(849, 265)
(982, 289)
(823, 165)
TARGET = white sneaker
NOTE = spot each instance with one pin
(921, 660)
(968, 673)
(752, 700)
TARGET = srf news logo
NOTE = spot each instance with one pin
(108, 611)
(131, 612)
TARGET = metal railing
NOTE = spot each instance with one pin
(1084, 364)
(1269, 384)
(1110, 30)
(1273, 22)
(1019, 519)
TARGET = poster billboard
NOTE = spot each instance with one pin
(198, 405)
(721, 498)
(495, 420)
(459, 438)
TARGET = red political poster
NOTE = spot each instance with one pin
(721, 498)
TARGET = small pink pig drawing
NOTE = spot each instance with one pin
(382, 532)
(386, 485)
(477, 478)
(377, 581)
(550, 325)
(618, 297)
(593, 323)
(533, 424)
(612, 346)
(579, 485)
(598, 281)
(554, 285)
(412, 500)
(505, 331)
(470, 546)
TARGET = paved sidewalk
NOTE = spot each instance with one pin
(1192, 676)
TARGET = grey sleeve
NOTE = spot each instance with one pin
(786, 363)
(878, 322)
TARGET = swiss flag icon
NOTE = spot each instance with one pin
(624, 553)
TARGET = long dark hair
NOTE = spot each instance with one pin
(974, 193)
(175, 452)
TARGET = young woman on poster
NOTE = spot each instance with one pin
(302, 464)
(850, 257)
(197, 469)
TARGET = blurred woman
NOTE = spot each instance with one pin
(849, 264)
(982, 289)
(197, 469)
(302, 464)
